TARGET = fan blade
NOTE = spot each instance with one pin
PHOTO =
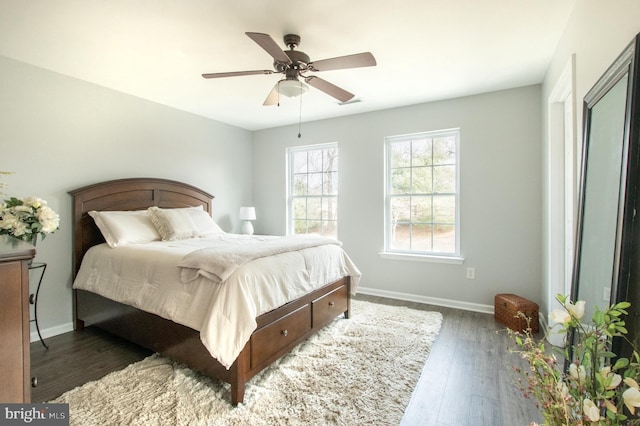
(267, 43)
(236, 73)
(357, 60)
(328, 88)
(272, 97)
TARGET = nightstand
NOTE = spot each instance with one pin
(15, 368)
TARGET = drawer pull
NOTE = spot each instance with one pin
(32, 299)
(34, 382)
(284, 332)
(331, 303)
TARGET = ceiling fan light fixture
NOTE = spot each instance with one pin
(292, 88)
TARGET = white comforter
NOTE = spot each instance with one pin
(147, 277)
(220, 260)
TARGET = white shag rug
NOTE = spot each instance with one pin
(356, 371)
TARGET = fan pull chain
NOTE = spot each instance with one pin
(300, 116)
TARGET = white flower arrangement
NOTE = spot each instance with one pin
(598, 388)
(27, 218)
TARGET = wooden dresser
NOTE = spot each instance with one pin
(14, 320)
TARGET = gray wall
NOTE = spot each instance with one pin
(500, 190)
(58, 133)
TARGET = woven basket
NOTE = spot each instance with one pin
(506, 311)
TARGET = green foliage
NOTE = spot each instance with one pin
(594, 389)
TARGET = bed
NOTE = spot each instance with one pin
(276, 332)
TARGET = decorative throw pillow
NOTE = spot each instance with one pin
(125, 227)
(173, 224)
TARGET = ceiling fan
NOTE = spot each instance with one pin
(294, 64)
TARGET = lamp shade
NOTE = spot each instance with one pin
(247, 213)
(291, 88)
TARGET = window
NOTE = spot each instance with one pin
(421, 216)
(313, 190)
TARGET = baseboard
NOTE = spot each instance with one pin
(457, 304)
(51, 331)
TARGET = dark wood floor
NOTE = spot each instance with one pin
(466, 380)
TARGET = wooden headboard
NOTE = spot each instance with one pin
(126, 194)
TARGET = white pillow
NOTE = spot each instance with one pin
(125, 227)
(204, 222)
(173, 224)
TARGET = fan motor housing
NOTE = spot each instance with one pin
(298, 57)
(299, 61)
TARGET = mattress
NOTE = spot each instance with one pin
(147, 277)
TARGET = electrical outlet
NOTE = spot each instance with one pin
(606, 292)
(471, 273)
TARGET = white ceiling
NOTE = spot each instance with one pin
(156, 49)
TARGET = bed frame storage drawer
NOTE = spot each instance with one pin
(279, 335)
(326, 308)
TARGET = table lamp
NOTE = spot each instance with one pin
(247, 214)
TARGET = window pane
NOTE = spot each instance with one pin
(444, 209)
(300, 162)
(400, 209)
(331, 183)
(314, 161)
(421, 209)
(421, 152)
(329, 208)
(421, 181)
(314, 208)
(299, 226)
(401, 236)
(315, 183)
(444, 178)
(331, 160)
(300, 208)
(444, 239)
(421, 237)
(300, 184)
(330, 229)
(444, 150)
(401, 154)
(401, 181)
(314, 227)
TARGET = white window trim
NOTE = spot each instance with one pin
(454, 258)
(290, 151)
(422, 257)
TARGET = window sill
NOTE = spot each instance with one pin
(423, 258)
